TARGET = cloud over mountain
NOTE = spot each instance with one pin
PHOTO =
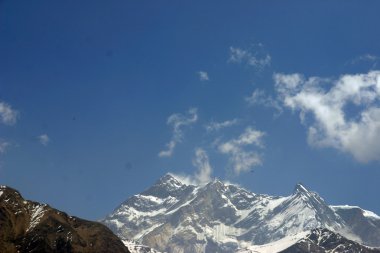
(201, 161)
(177, 121)
(241, 158)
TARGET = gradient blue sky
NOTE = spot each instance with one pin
(87, 90)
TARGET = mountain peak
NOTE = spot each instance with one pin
(169, 180)
(300, 191)
(214, 184)
(4, 188)
(216, 181)
(8, 191)
(172, 178)
(166, 177)
(168, 185)
(300, 188)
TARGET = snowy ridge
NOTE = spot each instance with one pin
(366, 213)
(174, 216)
(370, 214)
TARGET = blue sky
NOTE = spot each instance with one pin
(98, 99)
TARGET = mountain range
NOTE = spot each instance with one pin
(177, 217)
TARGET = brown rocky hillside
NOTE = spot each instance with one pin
(27, 226)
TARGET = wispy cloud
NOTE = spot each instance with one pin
(177, 121)
(44, 139)
(203, 76)
(254, 57)
(369, 58)
(259, 97)
(8, 115)
(201, 162)
(345, 114)
(216, 126)
(242, 159)
(3, 146)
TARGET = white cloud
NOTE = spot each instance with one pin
(8, 115)
(3, 146)
(203, 76)
(216, 126)
(44, 139)
(256, 57)
(241, 159)
(201, 161)
(177, 121)
(345, 112)
(285, 84)
(258, 97)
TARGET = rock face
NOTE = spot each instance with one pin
(173, 216)
(28, 226)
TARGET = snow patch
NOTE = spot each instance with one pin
(117, 223)
(145, 232)
(150, 198)
(138, 248)
(276, 246)
(370, 214)
(37, 213)
(344, 207)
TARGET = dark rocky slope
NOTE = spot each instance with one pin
(28, 226)
(325, 241)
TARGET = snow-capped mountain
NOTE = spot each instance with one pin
(173, 216)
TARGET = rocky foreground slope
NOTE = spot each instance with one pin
(176, 217)
(319, 240)
(27, 226)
